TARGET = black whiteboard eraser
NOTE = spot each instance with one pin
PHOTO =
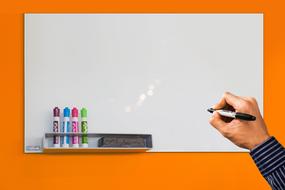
(125, 141)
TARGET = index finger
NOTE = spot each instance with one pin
(228, 99)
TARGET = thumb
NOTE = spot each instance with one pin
(228, 99)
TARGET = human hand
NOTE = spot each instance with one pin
(245, 134)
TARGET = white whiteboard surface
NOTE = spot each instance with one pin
(141, 73)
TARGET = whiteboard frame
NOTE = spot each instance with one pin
(234, 150)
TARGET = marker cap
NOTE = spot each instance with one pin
(83, 112)
(74, 112)
(66, 112)
(56, 112)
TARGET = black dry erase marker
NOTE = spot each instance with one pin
(235, 115)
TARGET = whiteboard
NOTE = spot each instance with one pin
(141, 73)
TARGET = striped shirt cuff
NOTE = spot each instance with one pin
(268, 156)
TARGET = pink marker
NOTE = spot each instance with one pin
(75, 127)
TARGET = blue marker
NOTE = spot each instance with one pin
(65, 127)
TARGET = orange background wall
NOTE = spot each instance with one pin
(131, 171)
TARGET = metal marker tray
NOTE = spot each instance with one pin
(93, 147)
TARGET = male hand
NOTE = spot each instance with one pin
(245, 134)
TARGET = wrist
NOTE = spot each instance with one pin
(259, 141)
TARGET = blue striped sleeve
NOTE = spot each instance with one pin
(269, 157)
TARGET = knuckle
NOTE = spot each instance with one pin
(225, 94)
(227, 133)
(253, 100)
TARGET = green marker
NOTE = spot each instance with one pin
(84, 127)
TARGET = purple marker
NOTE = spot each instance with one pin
(56, 127)
(75, 127)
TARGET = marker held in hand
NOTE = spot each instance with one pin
(234, 115)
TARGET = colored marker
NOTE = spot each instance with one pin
(65, 127)
(56, 127)
(84, 127)
(75, 128)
